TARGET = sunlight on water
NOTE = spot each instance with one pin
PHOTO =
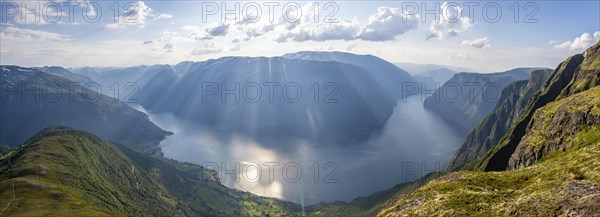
(413, 143)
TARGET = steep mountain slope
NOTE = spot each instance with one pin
(3, 149)
(33, 100)
(66, 172)
(562, 182)
(488, 133)
(390, 77)
(279, 98)
(467, 98)
(548, 160)
(575, 74)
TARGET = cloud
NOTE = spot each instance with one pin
(217, 30)
(235, 48)
(148, 42)
(38, 35)
(450, 23)
(579, 43)
(347, 30)
(388, 23)
(477, 43)
(208, 49)
(350, 47)
(137, 16)
(162, 17)
(384, 25)
(208, 33)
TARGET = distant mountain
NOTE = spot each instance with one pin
(132, 83)
(33, 100)
(467, 98)
(65, 73)
(279, 98)
(419, 69)
(547, 163)
(388, 75)
(512, 104)
(434, 79)
(67, 172)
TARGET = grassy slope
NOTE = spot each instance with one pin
(561, 183)
(67, 172)
(64, 172)
(201, 190)
(369, 205)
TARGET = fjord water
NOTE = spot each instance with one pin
(412, 143)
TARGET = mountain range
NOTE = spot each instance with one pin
(467, 98)
(33, 100)
(531, 150)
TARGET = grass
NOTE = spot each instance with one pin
(539, 190)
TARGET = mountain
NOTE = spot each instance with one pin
(465, 99)
(279, 98)
(576, 74)
(67, 172)
(132, 84)
(389, 76)
(419, 69)
(488, 133)
(33, 100)
(434, 79)
(546, 164)
(4, 149)
(65, 73)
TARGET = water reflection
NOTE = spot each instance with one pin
(413, 143)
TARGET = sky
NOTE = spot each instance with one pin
(487, 36)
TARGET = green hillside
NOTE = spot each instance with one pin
(564, 183)
(64, 172)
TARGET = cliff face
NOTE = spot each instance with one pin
(553, 126)
(465, 99)
(576, 74)
(548, 161)
(488, 133)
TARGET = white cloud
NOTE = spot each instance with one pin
(162, 17)
(168, 47)
(579, 43)
(384, 25)
(477, 43)
(388, 23)
(235, 48)
(217, 30)
(137, 16)
(347, 30)
(208, 49)
(350, 47)
(450, 23)
(38, 35)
